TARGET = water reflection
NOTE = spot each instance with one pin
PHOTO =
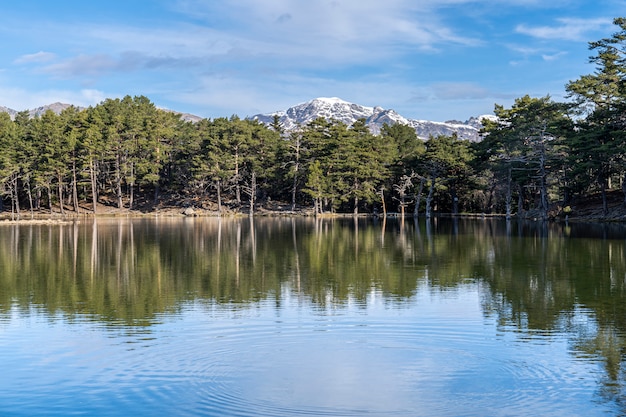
(133, 269)
(536, 280)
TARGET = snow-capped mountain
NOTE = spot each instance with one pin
(348, 113)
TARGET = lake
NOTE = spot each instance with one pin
(305, 317)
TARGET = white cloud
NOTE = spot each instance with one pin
(331, 24)
(276, 36)
(566, 29)
(89, 97)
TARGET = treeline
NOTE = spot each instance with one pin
(534, 158)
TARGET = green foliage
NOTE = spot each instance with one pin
(446, 163)
(597, 147)
(524, 150)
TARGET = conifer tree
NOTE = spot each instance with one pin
(597, 148)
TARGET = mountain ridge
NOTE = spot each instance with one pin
(375, 117)
(330, 108)
(58, 107)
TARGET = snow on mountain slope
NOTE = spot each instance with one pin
(343, 111)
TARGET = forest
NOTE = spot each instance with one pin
(535, 158)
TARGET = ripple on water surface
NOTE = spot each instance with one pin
(415, 360)
(348, 363)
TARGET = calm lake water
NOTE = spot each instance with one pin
(293, 317)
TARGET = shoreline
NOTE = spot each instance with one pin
(70, 217)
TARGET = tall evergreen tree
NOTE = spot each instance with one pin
(405, 175)
(9, 161)
(523, 148)
(597, 149)
(446, 163)
(366, 163)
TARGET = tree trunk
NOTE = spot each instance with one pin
(237, 185)
(543, 185)
(520, 202)
(624, 188)
(30, 198)
(131, 190)
(157, 190)
(455, 200)
(12, 200)
(131, 196)
(294, 187)
(15, 195)
(94, 186)
(429, 198)
(75, 186)
(218, 188)
(382, 200)
(118, 180)
(252, 193)
(60, 190)
(38, 197)
(509, 196)
(605, 205)
(418, 197)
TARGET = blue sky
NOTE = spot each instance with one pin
(427, 59)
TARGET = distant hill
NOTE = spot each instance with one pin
(55, 107)
(59, 107)
(348, 113)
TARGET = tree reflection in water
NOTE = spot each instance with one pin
(538, 278)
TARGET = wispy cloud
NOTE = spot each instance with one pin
(82, 65)
(553, 57)
(566, 29)
(244, 35)
(277, 36)
(38, 57)
(331, 24)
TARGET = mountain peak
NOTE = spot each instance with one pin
(55, 107)
(330, 100)
(36, 112)
(334, 108)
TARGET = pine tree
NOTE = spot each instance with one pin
(597, 149)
